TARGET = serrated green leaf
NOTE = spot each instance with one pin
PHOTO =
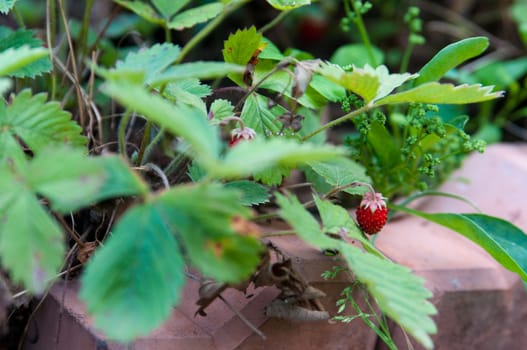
(369, 83)
(134, 280)
(221, 108)
(252, 193)
(13, 60)
(151, 60)
(340, 172)
(190, 123)
(168, 8)
(31, 244)
(357, 55)
(442, 93)
(193, 86)
(202, 216)
(502, 240)
(83, 181)
(16, 39)
(450, 57)
(399, 294)
(195, 15)
(198, 69)
(257, 115)
(273, 176)
(287, 4)
(240, 46)
(258, 154)
(331, 91)
(6, 6)
(39, 123)
(142, 9)
(304, 224)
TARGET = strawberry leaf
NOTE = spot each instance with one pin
(340, 172)
(288, 4)
(16, 39)
(6, 6)
(252, 192)
(142, 9)
(14, 60)
(240, 46)
(128, 286)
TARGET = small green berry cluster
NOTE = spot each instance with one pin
(415, 25)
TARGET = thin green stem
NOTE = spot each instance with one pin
(406, 57)
(363, 33)
(196, 39)
(51, 26)
(83, 37)
(275, 21)
(121, 132)
(168, 34)
(337, 121)
(18, 17)
(152, 144)
(387, 340)
(144, 142)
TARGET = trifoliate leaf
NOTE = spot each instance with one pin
(203, 216)
(134, 280)
(442, 93)
(17, 39)
(195, 15)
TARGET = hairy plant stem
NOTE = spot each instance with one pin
(144, 142)
(337, 121)
(196, 39)
(18, 17)
(363, 32)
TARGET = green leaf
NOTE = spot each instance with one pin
(195, 15)
(134, 280)
(355, 54)
(383, 145)
(273, 176)
(258, 154)
(252, 192)
(151, 61)
(31, 244)
(39, 123)
(240, 46)
(331, 91)
(168, 8)
(193, 86)
(16, 39)
(6, 6)
(257, 115)
(142, 9)
(369, 83)
(304, 224)
(221, 108)
(502, 240)
(451, 56)
(340, 172)
(85, 180)
(202, 216)
(190, 123)
(198, 69)
(13, 60)
(287, 4)
(442, 93)
(399, 294)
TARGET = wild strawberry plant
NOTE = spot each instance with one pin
(184, 162)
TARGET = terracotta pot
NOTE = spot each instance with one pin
(481, 305)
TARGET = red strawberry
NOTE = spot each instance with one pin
(372, 213)
(240, 134)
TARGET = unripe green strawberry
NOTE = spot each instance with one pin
(372, 213)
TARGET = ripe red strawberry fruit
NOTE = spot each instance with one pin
(372, 213)
(240, 134)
